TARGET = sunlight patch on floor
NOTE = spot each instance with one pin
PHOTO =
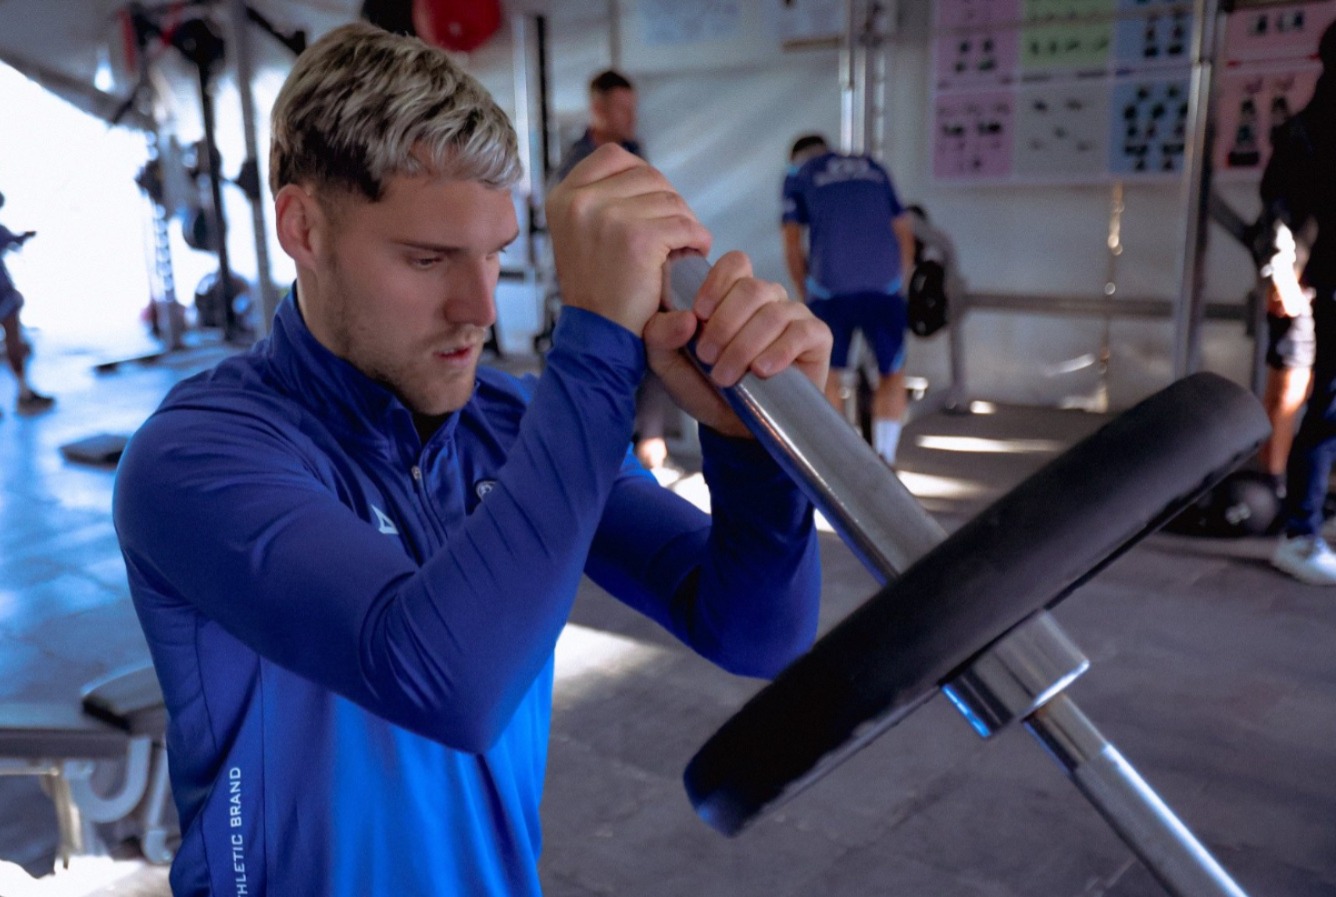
(85, 877)
(982, 445)
(586, 657)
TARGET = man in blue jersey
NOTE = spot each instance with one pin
(352, 549)
(852, 267)
(612, 119)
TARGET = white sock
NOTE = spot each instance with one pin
(886, 437)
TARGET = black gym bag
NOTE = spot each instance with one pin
(927, 305)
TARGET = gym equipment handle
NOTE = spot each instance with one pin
(875, 515)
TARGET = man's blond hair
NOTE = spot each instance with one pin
(362, 104)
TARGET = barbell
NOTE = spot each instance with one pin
(967, 614)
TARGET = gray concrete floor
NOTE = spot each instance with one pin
(1215, 676)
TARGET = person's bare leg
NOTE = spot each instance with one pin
(889, 404)
(1284, 396)
(17, 352)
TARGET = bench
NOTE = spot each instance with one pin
(120, 720)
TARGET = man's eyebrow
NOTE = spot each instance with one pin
(442, 249)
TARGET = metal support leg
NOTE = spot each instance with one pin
(69, 822)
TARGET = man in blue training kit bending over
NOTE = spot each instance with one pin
(852, 268)
(352, 550)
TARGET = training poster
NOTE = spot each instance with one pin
(1060, 90)
(1268, 69)
(1091, 90)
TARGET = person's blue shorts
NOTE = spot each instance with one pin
(880, 316)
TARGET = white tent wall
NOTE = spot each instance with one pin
(718, 113)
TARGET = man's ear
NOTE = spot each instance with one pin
(301, 224)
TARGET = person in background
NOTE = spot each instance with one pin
(849, 247)
(30, 401)
(612, 119)
(352, 549)
(1298, 190)
(1289, 352)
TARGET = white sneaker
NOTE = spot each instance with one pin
(1307, 558)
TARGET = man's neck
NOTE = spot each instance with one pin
(600, 136)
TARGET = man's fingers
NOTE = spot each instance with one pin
(777, 335)
(805, 342)
(669, 331)
(745, 299)
(728, 270)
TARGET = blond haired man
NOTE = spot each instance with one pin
(352, 549)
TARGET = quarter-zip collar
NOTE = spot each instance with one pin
(350, 403)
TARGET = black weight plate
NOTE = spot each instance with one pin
(1026, 551)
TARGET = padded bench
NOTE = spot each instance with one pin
(119, 719)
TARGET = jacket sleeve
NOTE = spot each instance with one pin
(220, 511)
(741, 585)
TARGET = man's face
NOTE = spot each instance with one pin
(405, 286)
(614, 113)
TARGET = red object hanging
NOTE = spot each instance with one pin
(460, 25)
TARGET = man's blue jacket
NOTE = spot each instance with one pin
(354, 630)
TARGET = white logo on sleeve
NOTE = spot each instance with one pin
(482, 487)
(383, 523)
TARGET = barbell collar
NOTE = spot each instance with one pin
(1016, 675)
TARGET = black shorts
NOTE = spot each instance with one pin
(1291, 342)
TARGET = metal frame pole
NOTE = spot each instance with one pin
(241, 43)
(1197, 176)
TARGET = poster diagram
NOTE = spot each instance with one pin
(1148, 127)
(1066, 34)
(1249, 104)
(671, 22)
(973, 57)
(1276, 32)
(978, 42)
(1061, 129)
(1099, 89)
(972, 136)
(796, 21)
(1161, 36)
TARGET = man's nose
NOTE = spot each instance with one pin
(472, 294)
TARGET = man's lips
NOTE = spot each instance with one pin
(456, 353)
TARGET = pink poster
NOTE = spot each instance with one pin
(1277, 32)
(977, 42)
(985, 14)
(1250, 101)
(972, 135)
(986, 56)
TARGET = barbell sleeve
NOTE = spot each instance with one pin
(1131, 807)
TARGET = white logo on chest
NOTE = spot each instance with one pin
(384, 524)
